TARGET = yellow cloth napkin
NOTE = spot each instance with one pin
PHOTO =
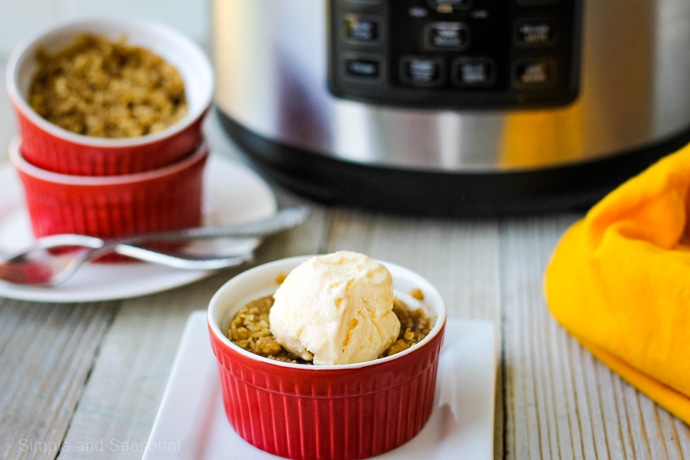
(619, 282)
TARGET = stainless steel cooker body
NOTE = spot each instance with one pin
(454, 106)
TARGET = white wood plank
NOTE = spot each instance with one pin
(122, 396)
(460, 258)
(560, 401)
(537, 418)
(672, 440)
(680, 435)
(46, 356)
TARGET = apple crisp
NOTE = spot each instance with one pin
(100, 88)
(250, 329)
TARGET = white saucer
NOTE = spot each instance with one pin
(232, 193)
(191, 421)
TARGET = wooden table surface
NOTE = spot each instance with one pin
(93, 373)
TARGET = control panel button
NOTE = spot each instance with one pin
(422, 70)
(418, 12)
(535, 33)
(363, 68)
(449, 4)
(534, 73)
(362, 29)
(469, 72)
(452, 36)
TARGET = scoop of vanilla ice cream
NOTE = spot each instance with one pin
(336, 308)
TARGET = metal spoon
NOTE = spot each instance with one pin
(42, 265)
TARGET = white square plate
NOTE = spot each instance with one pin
(191, 422)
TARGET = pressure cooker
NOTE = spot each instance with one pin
(453, 107)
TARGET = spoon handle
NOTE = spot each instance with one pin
(188, 262)
(283, 220)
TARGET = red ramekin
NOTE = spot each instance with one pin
(113, 206)
(324, 412)
(55, 149)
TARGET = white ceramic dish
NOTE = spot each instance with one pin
(191, 422)
(233, 194)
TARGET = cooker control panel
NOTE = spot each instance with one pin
(474, 54)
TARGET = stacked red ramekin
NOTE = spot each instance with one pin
(345, 411)
(112, 187)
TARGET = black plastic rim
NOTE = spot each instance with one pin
(410, 192)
